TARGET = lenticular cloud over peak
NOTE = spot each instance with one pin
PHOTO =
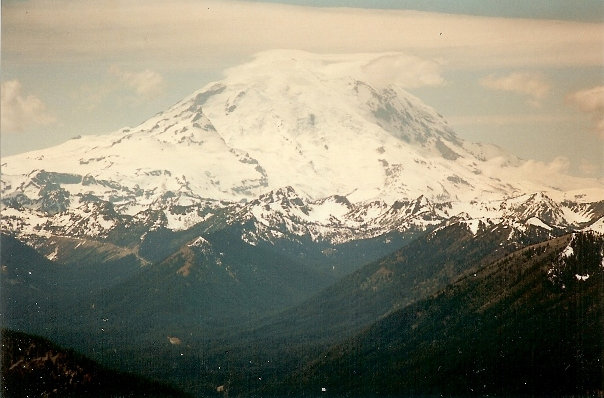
(378, 69)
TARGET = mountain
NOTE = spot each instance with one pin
(527, 324)
(304, 124)
(33, 366)
(419, 269)
(262, 219)
(218, 293)
(29, 282)
(281, 343)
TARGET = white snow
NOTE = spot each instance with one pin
(328, 209)
(538, 223)
(576, 216)
(291, 118)
(52, 256)
(568, 251)
(597, 226)
(200, 241)
(473, 226)
(302, 124)
(250, 238)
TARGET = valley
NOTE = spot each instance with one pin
(303, 233)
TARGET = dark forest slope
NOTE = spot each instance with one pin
(35, 367)
(530, 323)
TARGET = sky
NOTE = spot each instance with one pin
(526, 76)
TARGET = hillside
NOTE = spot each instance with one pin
(528, 324)
(33, 366)
(233, 237)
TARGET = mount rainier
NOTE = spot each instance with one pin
(350, 157)
(299, 227)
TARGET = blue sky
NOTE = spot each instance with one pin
(581, 10)
(525, 75)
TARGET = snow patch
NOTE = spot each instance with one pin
(538, 223)
(53, 256)
(473, 226)
(199, 242)
(250, 238)
(328, 209)
(568, 250)
(597, 226)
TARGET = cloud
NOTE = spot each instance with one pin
(377, 69)
(532, 85)
(509, 119)
(589, 168)
(404, 70)
(146, 83)
(534, 175)
(554, 174)
(91, 95)
(546, 170)
(591, 101)
(187, 33)
(20, 111)
(557, 174)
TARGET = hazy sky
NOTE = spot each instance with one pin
(525, 75)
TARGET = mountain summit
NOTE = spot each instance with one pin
(318, 123)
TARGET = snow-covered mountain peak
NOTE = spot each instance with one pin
(348, 147)
(304, 117)
(295, 90)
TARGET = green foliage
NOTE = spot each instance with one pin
(504, 331)
(32, 366)
(449, 313)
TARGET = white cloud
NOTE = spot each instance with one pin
(589, 168)
(404, 70)
(509, 119)
(546, 170)
(591, 101)
(532, 85)
(20, 111)
(186, 32)
(536, 174)
(145, 83)
(377, 69)
(554, 173)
